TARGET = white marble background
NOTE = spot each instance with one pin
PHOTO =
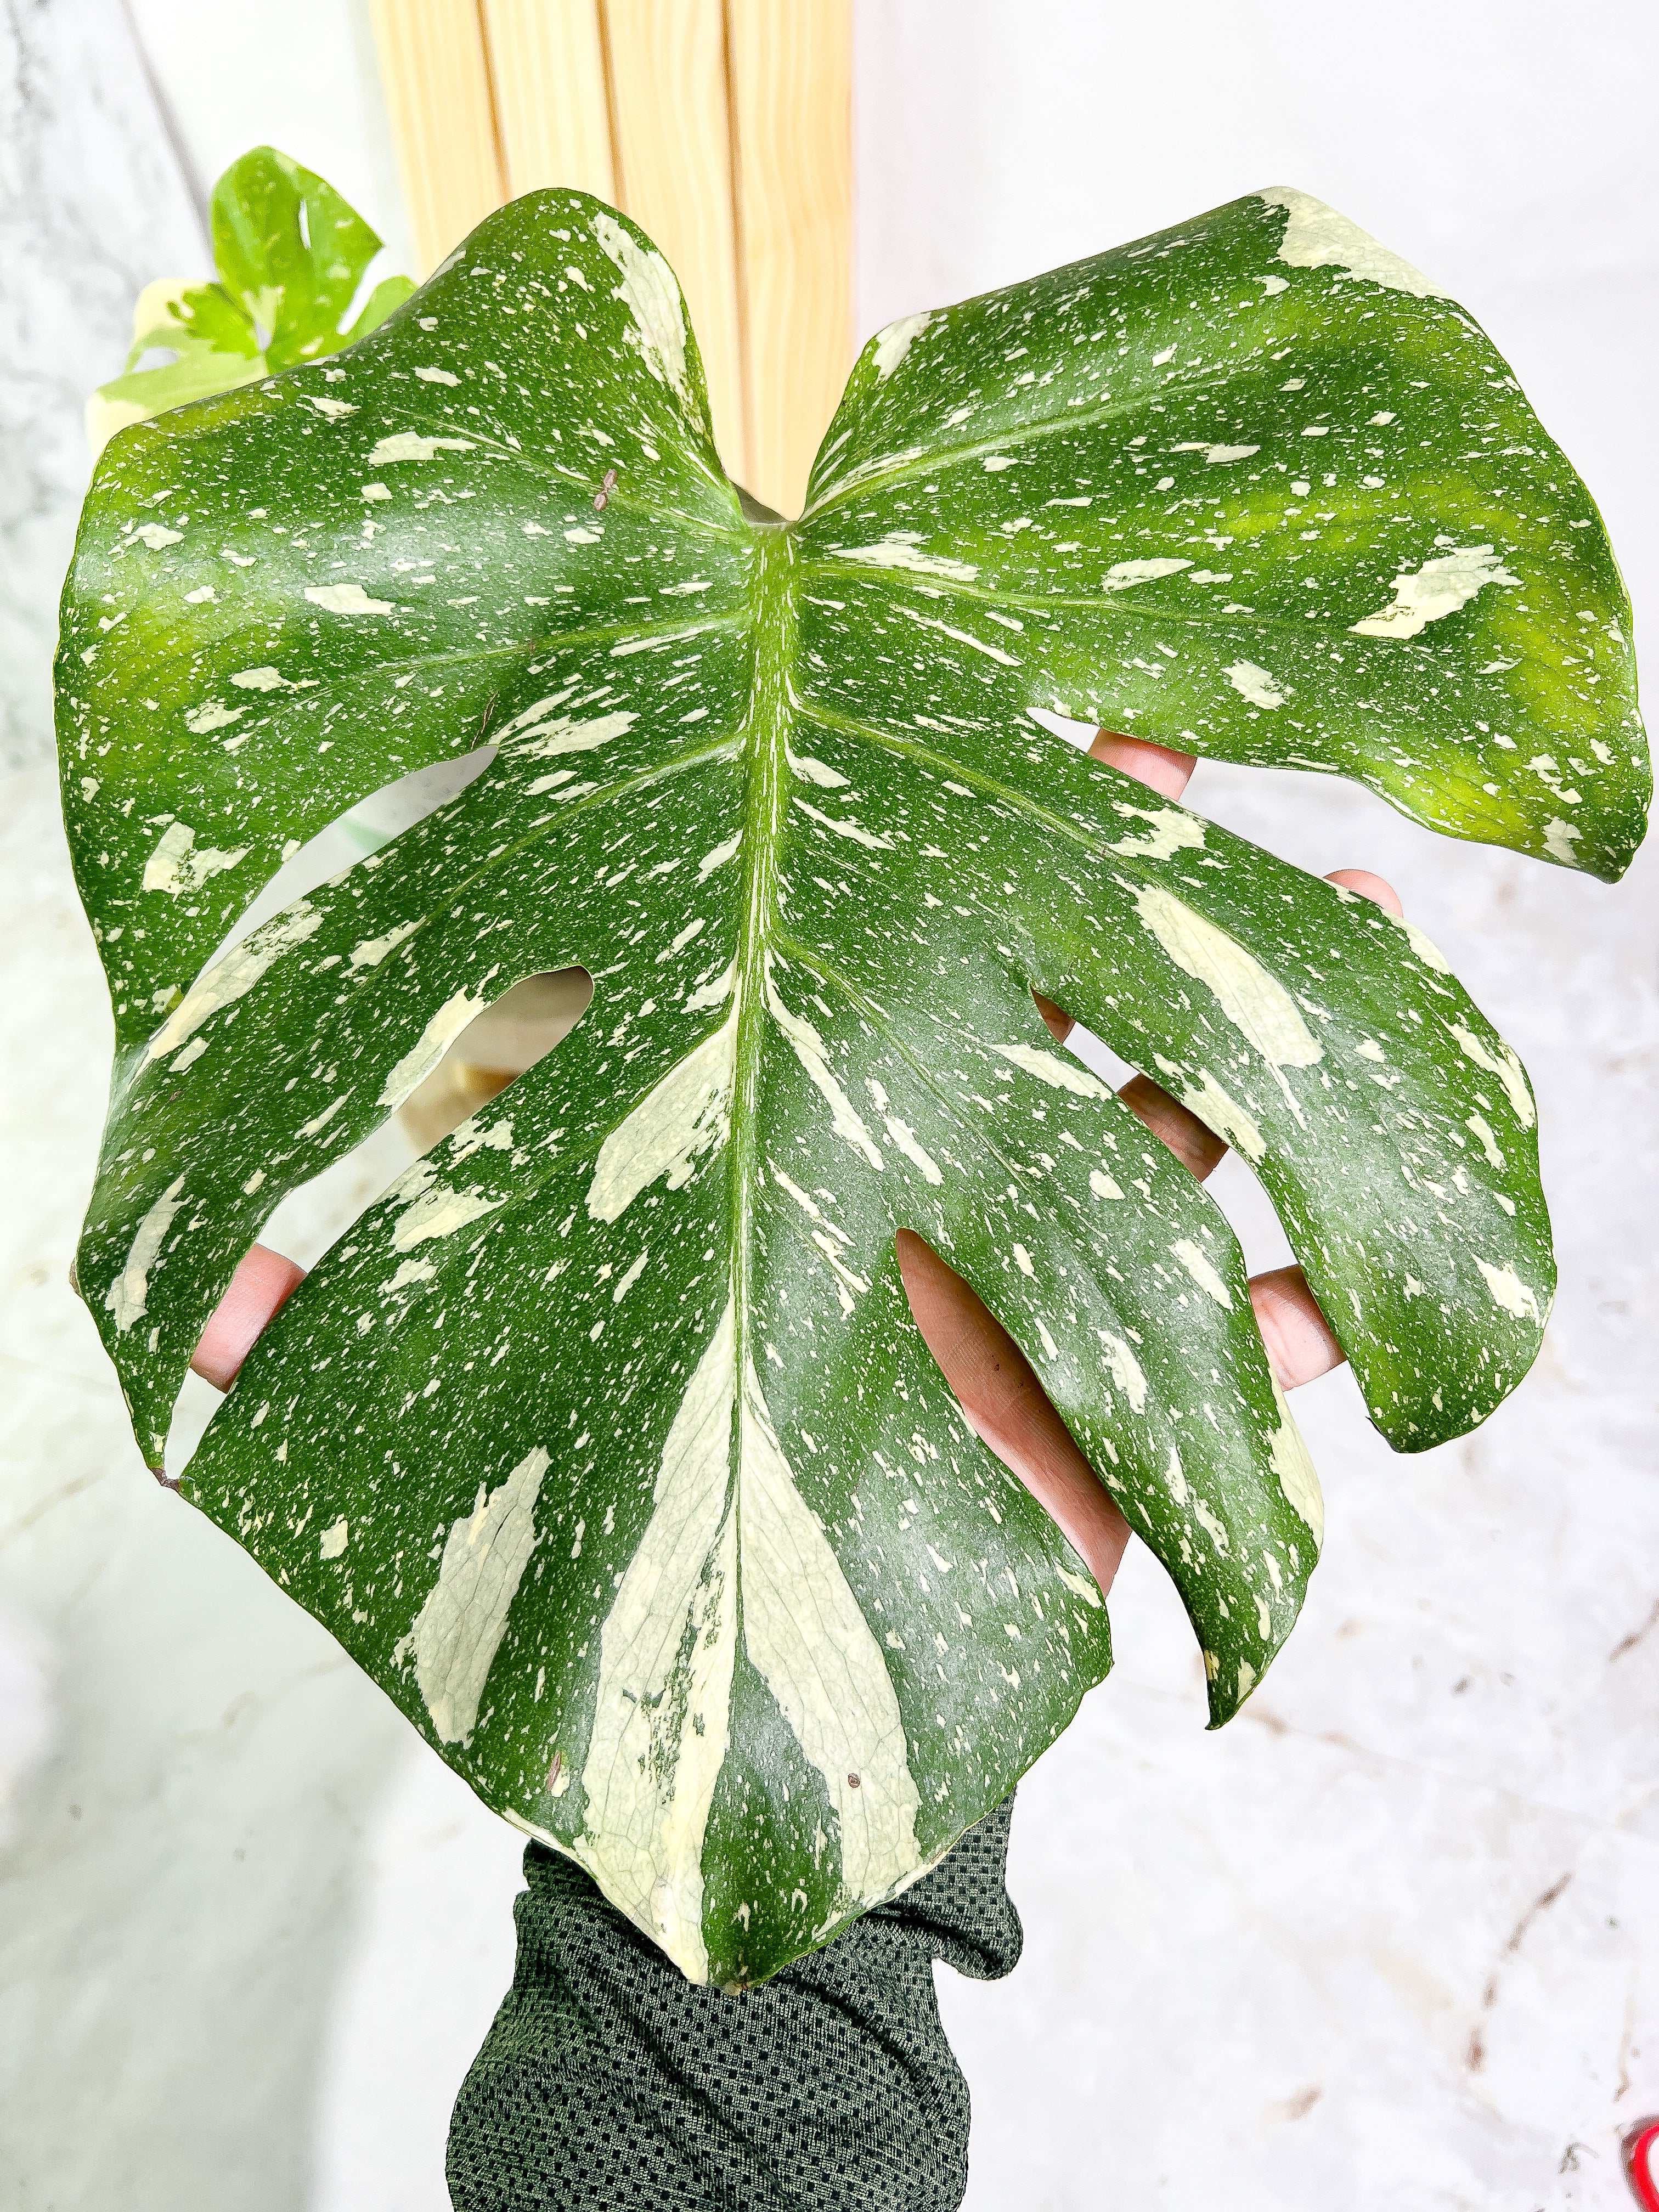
(1390, 1940)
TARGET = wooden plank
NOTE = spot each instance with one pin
(791, 95)
(547, 60)
(672, 149)
(435, 72)
(722, 126)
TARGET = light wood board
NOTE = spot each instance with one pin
(436, 76)
(547, 60)
(723, 128)
(791, 91)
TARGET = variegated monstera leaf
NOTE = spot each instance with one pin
(293, 260)
(605, 1440)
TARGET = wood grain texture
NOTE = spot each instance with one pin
(723, 127)
(435, 72)
(673, 158)
(547, 60)
(790, 71)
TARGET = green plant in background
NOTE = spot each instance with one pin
(292, 258)
(605, 1440)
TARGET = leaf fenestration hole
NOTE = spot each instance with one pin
(1085, 1047)
(1229, 1181)
(498, 1045)
(1006, 1405)
(363, 829)
(1075, 732)
(494, 1049)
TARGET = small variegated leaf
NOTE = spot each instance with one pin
(605, 1440)
(292, 257)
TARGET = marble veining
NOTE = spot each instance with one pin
(93, 203)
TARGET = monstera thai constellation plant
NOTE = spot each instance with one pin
(293, 260)
(605, 1440)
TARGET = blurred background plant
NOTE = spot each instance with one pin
(294, 261)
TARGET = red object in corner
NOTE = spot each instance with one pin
(1641, 2150)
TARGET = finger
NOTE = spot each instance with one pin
(1008, 1408)
(1197, 1146)
(1377, 888)
(1160, 768)
(1056, 1017)
(262, 1283)
(1297, 1336)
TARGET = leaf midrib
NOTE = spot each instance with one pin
(765, 796)
(773, 703)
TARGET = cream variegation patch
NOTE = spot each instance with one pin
(726, 1506)
(662, 1709)
(1317, 237)
(1256, 1003)
(458, 1630)
(679, 1119)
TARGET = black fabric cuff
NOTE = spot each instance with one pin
(610, 2083)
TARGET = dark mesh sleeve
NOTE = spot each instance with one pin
(608, 2083)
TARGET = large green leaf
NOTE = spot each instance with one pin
(292, 257)
(605, 1440)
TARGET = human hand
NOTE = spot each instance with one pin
(992, 1380)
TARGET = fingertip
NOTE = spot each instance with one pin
(1298, 1339)
(1160, 768)
(261, 1286)
(1365, 885)
(915, 1254)
(1196, 1146)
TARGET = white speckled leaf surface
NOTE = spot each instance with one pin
(605, 1440)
